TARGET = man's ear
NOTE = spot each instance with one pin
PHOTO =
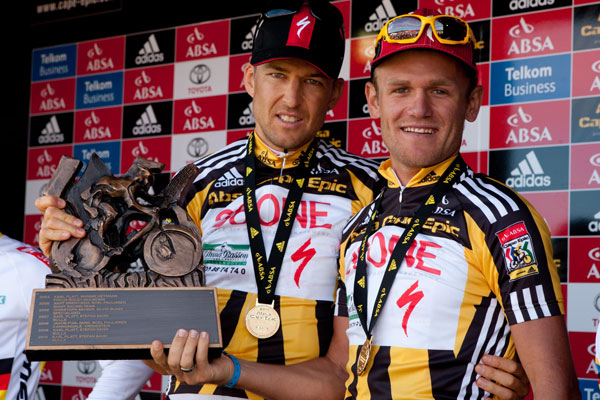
(249, 71)
(338, 88)
(372, 101)
(474, 103)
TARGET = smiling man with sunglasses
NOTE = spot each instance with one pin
(445, 265)
(280, 334)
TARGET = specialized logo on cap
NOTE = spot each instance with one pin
(429, 33)
(302, 27)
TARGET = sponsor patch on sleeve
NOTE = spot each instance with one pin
(519, 257)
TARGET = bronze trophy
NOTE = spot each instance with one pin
(94, 306)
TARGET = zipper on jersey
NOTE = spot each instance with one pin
(284, 156)
(402, 187)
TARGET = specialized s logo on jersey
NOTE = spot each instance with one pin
(518, 251)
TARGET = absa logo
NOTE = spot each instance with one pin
(520, 134)
(594, 256)
(194, 123)
(199, 49)
(596, 83)
(93, 129)
(459, 10)
(594, 162)
(97, 62)
(140, 150)
(146, 92)
(524, 45)
(49, 103)
(374, 145)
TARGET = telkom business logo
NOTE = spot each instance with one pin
(531, 79)
(53, 63)
(99, 90)
(531, 170)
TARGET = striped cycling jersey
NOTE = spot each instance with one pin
(482, 262)
(22, 269)
(340, 184)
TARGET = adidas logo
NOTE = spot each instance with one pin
(247, 117)
(51, 133)
(382, 13)
(230, 178)
(249, 39)
(147, 123)
(430, 177)
(594, 226)
(150, 52)
(361, 282)
(529, 174)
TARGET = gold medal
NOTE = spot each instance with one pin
(363, 357)
(262, 321)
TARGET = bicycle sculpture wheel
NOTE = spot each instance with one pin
(125, 223)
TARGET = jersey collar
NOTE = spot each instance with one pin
(425, 176)
(274, 158)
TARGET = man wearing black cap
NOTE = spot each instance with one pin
(445, 265)
(276, 297)
(279, 310)
(274, 309)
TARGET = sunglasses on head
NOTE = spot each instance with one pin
(408, 28)
(321, 10)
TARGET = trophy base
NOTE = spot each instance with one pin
(117, 323)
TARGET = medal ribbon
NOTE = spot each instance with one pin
(267, 270)
(442, 186)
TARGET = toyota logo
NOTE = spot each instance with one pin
(86, 367)
(597, 302)
(200, 74)
(197, 147)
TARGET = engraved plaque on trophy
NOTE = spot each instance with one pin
(95, 306)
